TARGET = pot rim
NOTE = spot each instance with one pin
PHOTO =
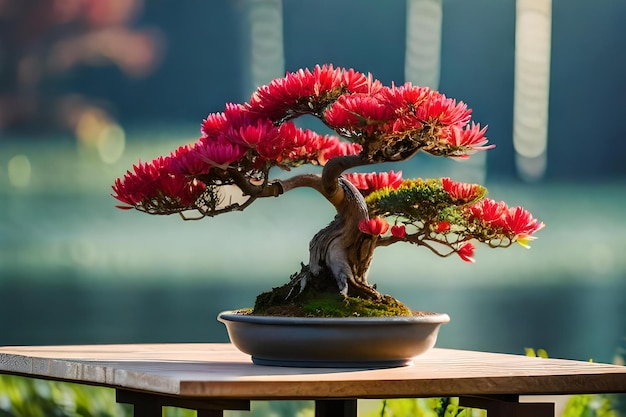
(234, 316)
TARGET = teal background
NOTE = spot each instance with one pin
(74, 269)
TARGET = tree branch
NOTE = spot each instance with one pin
(316, 182)
(388, 240)
(333, 169)
(304, 180)
(265, 189)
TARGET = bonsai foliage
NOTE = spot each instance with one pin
(229, 167)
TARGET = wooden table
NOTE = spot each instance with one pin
(211, 378)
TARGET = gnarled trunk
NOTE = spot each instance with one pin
(341, 252)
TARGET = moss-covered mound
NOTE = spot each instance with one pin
(327, 302)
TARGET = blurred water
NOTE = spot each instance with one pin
(73, 269)
(569, 321)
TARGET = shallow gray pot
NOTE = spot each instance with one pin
(370, 342)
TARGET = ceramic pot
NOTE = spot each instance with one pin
(363, 342)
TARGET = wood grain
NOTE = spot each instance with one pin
(220, 371)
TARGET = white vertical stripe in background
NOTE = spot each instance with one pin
(266, 50)
(423, 42)
(532, 87)
(422, 66)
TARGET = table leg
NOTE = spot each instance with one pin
(151, 405)
(508, 406)
(143, 405)
(335, 408)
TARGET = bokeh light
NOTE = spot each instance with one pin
(19, 170)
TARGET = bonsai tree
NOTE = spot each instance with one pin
(229, 167)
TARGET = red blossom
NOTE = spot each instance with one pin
(405, 123)
(186, 161)
(376, 226)
(254, 134)
(139, 183)
(404, 100)
(461, 191)
(443, 226)
(439, 110)
(298, 144)
(152, 187)
(260, 135)
(398, 230)
(373, 181)
(183, 190)
(277, 98)
(234, 116)
(283, 95)
(219, 151)
(214, 124)
(521, 223)
(331, 147)
(405, 97)
(489, 211)
(466, 251)
(358, 112)
(356, 82)
(469, 139)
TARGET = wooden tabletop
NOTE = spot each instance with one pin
(220, 371)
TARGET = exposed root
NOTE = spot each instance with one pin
(321, 299)
(298, 280)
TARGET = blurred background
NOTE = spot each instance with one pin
(90, 87)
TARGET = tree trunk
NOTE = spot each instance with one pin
(341, 252)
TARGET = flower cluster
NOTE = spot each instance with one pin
(435, 123)
(241, 137)
(374, 122)
(514, 221)
(367, 183)
(443, 211)
(234, 139)
(360, 108)
(306, 91)
(152, 188)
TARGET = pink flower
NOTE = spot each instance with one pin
(260, 135)
(234, 116)
(356, 82)
(398, 230)
(331, 146)
(139, 183)
(152, 187)
(297, 90)
(184, 191)
(439, 110)
(214, 124)
(489, 211)
(468, 140)
(376, 226)
(219, 151)
(187, 161)
(404, 98)
(370, 182)
(254, 134)
(466, 251)
(461, 191)
(298, 145)
(358, 112)
(522, 224)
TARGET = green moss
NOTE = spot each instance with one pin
(335, 305)
(317, 303)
